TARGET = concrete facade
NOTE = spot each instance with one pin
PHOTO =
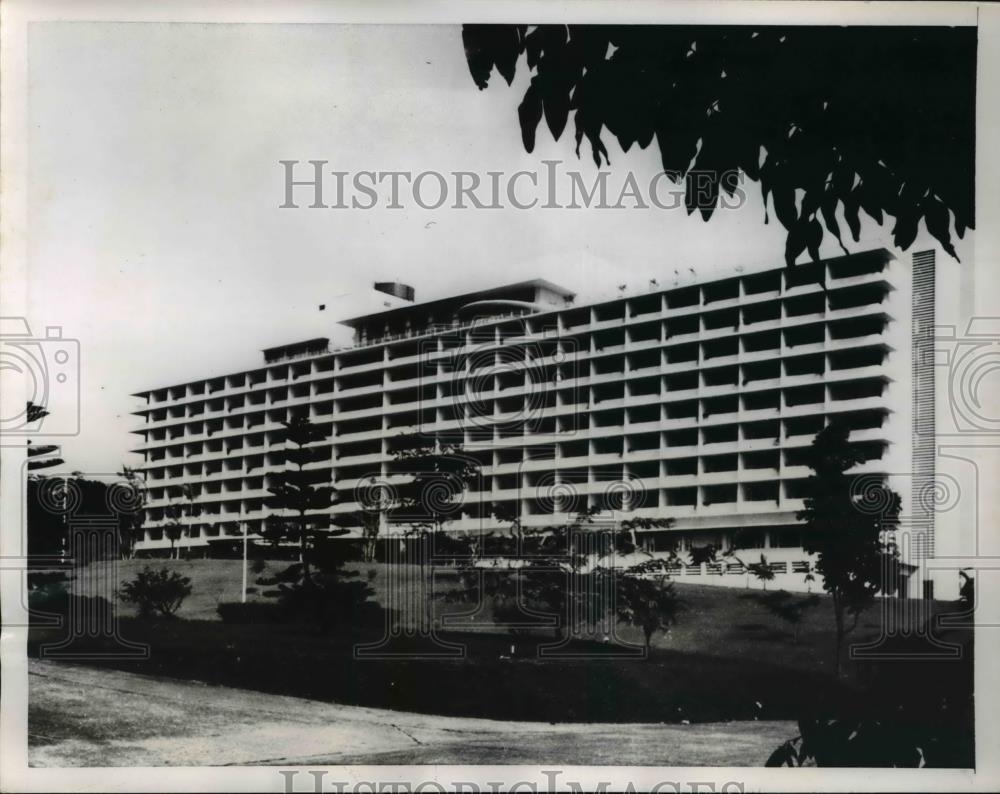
(694, 402)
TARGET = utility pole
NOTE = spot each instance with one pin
(243, 597)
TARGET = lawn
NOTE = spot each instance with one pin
(726, 659)
(716, 621)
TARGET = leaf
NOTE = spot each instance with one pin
(851, 207)
(936, 218)
(477, 54)
(553, 88)
(678, 146)
(507, 48)
(784, 207)
(870, 201)
(814, 236)
(828, 208)
(701, 191)
(905, 230)
(487, 46)
(533, 46)
(795, 244)
(529, 113)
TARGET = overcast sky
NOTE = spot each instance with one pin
(155, 236)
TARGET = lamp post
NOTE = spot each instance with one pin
(243, 597)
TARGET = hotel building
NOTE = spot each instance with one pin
(695, 402)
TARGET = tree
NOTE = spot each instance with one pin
(374, 497)
(809, 578)
(40, 456)
(703, 554)
(645, 598)
(785, 606)
(852, 538)
(302, 492)
(811, 109)
(627, 540)
(762, 571)
(435, 476)
(431, 480)
(179, 514)
(557, 571)
(153, 591)
(129, 498)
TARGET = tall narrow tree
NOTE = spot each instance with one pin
(301, 494)
(179, 514)
(851, 539)
(430, 480)
(130, 498)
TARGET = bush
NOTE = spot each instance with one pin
(258, 565)
(52, 597)
(330, 603)
(161, 591)
(43, 579)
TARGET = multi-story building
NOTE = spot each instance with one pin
(695, 402)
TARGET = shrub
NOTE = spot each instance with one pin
(330, 602)
(49, 597)
(258, 565)
(42, 579)
(55, 600)
(152, 591)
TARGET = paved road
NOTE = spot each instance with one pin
(80, 716)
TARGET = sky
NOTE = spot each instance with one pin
(155, 233)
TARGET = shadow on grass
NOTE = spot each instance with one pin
(487, 681)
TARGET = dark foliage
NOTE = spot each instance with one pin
(762, 571)
(329, 598)
(646, 599)
(914, 711)
(700, 554)
(44, 579)
(849, 527)
(872, 119)
(299, 495)
(156, 591)
(436, 478)
(54, 600)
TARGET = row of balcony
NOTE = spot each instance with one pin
(463, 431)
(324, 364)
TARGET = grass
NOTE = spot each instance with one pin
(727, 658)
(716, 621)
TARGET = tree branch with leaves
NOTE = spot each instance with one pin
(830, 121)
